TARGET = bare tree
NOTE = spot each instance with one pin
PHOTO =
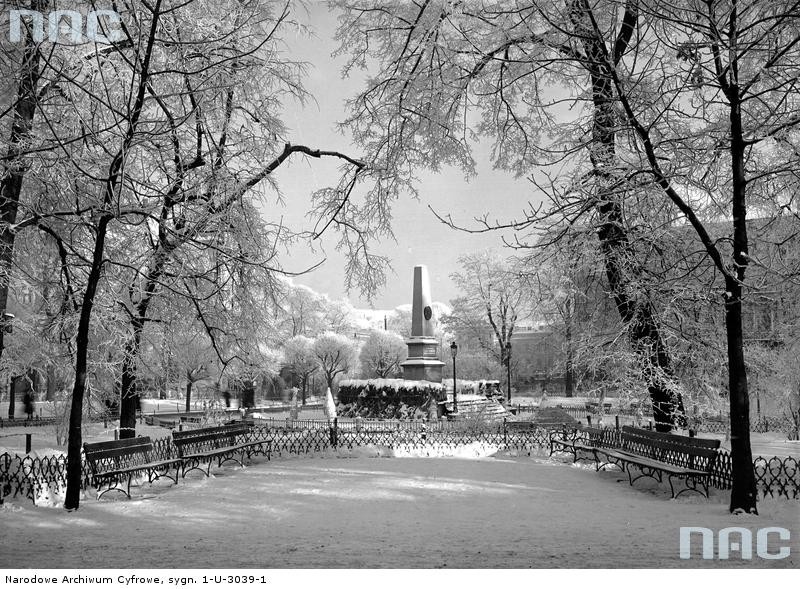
(301, 360)
(303, 311)
(495, 297)
(381, 354)
(562, 279)
(336, 354)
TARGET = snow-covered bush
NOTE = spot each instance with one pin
(389, 398)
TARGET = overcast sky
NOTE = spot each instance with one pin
(421, 238)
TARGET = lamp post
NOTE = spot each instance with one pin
(454, 353)
(508, 367)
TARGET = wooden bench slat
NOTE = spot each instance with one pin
(675, 438)
(116, 444)
(139, 467)
(118, 452)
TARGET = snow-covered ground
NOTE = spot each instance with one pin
(767, 445)
(355, 509)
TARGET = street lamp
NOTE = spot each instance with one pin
(508, 366)
(454, 353)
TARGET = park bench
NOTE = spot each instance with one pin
(652, 453)
(223, 443)
(114, 462)
(580, 440)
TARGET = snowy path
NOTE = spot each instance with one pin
(381, 512)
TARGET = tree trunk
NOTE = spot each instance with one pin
(188, 395)
(129, 397)
(50, 395)
(744, 491)
(72, 500)
(623, 272)
(14, 171)
(570, 354)
(128, 392)
(12, 397)
(329, 381)
(74, 470)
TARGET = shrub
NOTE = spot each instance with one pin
(392, 398)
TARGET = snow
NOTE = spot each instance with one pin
(372, 508)
(329, 407)
(765, 445)
(396, 384)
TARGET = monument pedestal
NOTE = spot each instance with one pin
(422, 369)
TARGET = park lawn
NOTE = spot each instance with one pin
(355, 509)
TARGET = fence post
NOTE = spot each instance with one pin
(616, 422)
(505, 433)
(116, 433)
(334, 432)
(28, 443)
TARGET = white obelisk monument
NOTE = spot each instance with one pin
(423, 348)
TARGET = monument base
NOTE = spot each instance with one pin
(422, 369)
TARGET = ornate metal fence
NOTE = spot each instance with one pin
(27, 422)
(376, 425)
(34, 477)
(761, 425)
(627, 416)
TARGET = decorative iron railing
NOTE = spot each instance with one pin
(36, 477)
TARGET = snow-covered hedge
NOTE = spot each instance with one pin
(388, 397)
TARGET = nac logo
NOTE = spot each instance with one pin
(735, 539)
(66, 24)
